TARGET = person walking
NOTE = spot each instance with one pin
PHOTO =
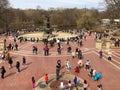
(24, 60)
(3, 71)
(46, 78)
(33, 82)
(10, 62)
(18, 66)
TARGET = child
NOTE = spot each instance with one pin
(33, 82)
(85, 85)
(46, 78)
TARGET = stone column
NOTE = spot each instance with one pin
(108, 45)
(99, 44)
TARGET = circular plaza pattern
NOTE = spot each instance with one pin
(54, 84)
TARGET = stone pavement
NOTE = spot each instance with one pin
(54, 84)
(39, 65)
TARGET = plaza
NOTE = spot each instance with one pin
(38, 65)
(60, 44)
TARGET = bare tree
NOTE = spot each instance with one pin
(113, 6)
(4, 5)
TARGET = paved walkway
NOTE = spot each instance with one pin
(39, 65)
(55, 84)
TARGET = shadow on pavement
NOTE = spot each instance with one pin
(24, 68)
(38, 84)
(63, 73)
(10, 74)
(51, 80)
(29, 63)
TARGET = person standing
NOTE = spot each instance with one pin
(3, 71)
(87, 65)
(46, 78)
(3, 57)
(77, 70)
(69, 85)
(10, 62)
(85, 85)
(18, 66)
(73, 55)
(109, 55)
(16, 47)
(57, 71)
(75, 81)
(100, 54)
(24, 60)
(58, 42)
(68, 66)
(100, 87)
(33, 82)
(59, 63)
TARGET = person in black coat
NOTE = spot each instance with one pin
(3, 71)
(10, 62)
(18, 66)
(24, 60)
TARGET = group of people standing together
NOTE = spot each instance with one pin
(10, 65)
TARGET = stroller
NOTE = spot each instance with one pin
(97, 76)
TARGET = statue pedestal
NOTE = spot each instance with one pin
(98, 44)
(108, 45)
(2, 46)
(103, 44)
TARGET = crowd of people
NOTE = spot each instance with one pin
(77, 53)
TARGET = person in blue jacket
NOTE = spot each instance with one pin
(75, 81)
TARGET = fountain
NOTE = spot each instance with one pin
(48, 30)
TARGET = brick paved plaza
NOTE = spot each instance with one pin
(38, 65)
